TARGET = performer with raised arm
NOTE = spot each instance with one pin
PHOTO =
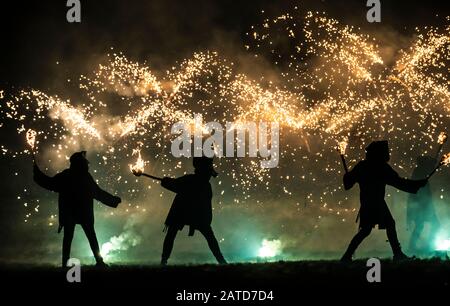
(373, 174)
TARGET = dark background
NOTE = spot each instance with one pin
(35, 34)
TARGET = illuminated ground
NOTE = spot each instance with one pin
(286, 279)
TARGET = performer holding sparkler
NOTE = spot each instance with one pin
(191, 206)
(77, 190)
(373, 174)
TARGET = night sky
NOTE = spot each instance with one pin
(299, 207)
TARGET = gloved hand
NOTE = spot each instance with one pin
(137, 173)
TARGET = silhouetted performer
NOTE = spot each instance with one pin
(420, 208)
(372, 175)
(192, 207)
(76, 189)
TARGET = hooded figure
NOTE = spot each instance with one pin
(77, 190)
(420, 209)
(372, 175)
(191, 207)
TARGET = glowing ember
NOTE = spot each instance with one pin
(445, 160)
(138, 166)
(342, 146)
(442, 138)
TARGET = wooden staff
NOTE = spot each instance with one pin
(137, 173)
(344, 163)
(435, 169)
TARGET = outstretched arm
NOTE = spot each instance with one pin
(45, 181)
(140, 173)
(407, 185)
(173, 184)
(103, 196)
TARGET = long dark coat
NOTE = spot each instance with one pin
(192, 203)
(372, 177)
(77, 191)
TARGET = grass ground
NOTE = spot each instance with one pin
(286, 280)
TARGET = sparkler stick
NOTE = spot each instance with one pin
(341, 147)
(147, 175)
(344, 163)
(445, 160)
(441, 140)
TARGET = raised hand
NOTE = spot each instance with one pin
(137, 173)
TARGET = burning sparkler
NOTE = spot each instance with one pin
(138, 167)
(442, 138)
(445, 160)
(341, 147)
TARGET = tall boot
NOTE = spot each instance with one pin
(220, 259)
(208, 233)
(168, 244)
(356, 241)
(395, 244)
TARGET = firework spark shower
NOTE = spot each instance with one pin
(325, 79)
